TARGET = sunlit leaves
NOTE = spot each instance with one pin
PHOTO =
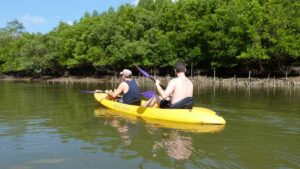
(206, 33)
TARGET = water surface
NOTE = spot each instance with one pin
(55, 126)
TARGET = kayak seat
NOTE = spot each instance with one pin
(186, 103)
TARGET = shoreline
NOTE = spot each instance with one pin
(197, 80)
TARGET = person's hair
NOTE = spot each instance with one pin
(180, 66)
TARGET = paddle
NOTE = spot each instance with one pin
(146, 74)
(146, 94)
(91, 92)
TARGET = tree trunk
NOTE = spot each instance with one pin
(261, 68)
(192, 70)
(279, 65)
(214, 73)
(249, 77)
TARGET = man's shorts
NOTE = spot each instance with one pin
(186, 103)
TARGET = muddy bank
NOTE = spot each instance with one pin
(197, 80)
(248, 82)
(67, 80)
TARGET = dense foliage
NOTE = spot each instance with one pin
(229, 35)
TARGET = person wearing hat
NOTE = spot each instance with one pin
(129, 88)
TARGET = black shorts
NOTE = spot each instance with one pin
(186, 103)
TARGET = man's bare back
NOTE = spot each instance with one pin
(179, 89)
(183, 88)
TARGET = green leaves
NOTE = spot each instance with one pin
(207, 33)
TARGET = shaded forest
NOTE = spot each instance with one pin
(229, 36)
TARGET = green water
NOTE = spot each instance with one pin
(55, 126)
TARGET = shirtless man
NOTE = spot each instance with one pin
(179, 89)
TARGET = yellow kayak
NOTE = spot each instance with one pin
(196, 115)
(191, 127)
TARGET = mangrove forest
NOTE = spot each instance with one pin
(230, 36)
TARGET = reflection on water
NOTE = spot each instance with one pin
(123, 129)
(177, 146)
(37, 163)
(126, 128)
(56, 126)
(171, 143)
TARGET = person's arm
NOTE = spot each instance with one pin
(118, 91)
(169, 90)
(136, 82)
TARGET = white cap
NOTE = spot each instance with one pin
(126, 72)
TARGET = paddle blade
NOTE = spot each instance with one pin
(143, 72)
(148, 94)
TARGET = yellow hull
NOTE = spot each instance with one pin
(191, 127)
(196, 115)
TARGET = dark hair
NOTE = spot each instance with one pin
(180, 66)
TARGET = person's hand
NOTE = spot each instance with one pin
(157, 82)
(109, 92)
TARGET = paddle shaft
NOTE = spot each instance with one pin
(146, 74)
(91, 92)
(162, 86)
(146, 94)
